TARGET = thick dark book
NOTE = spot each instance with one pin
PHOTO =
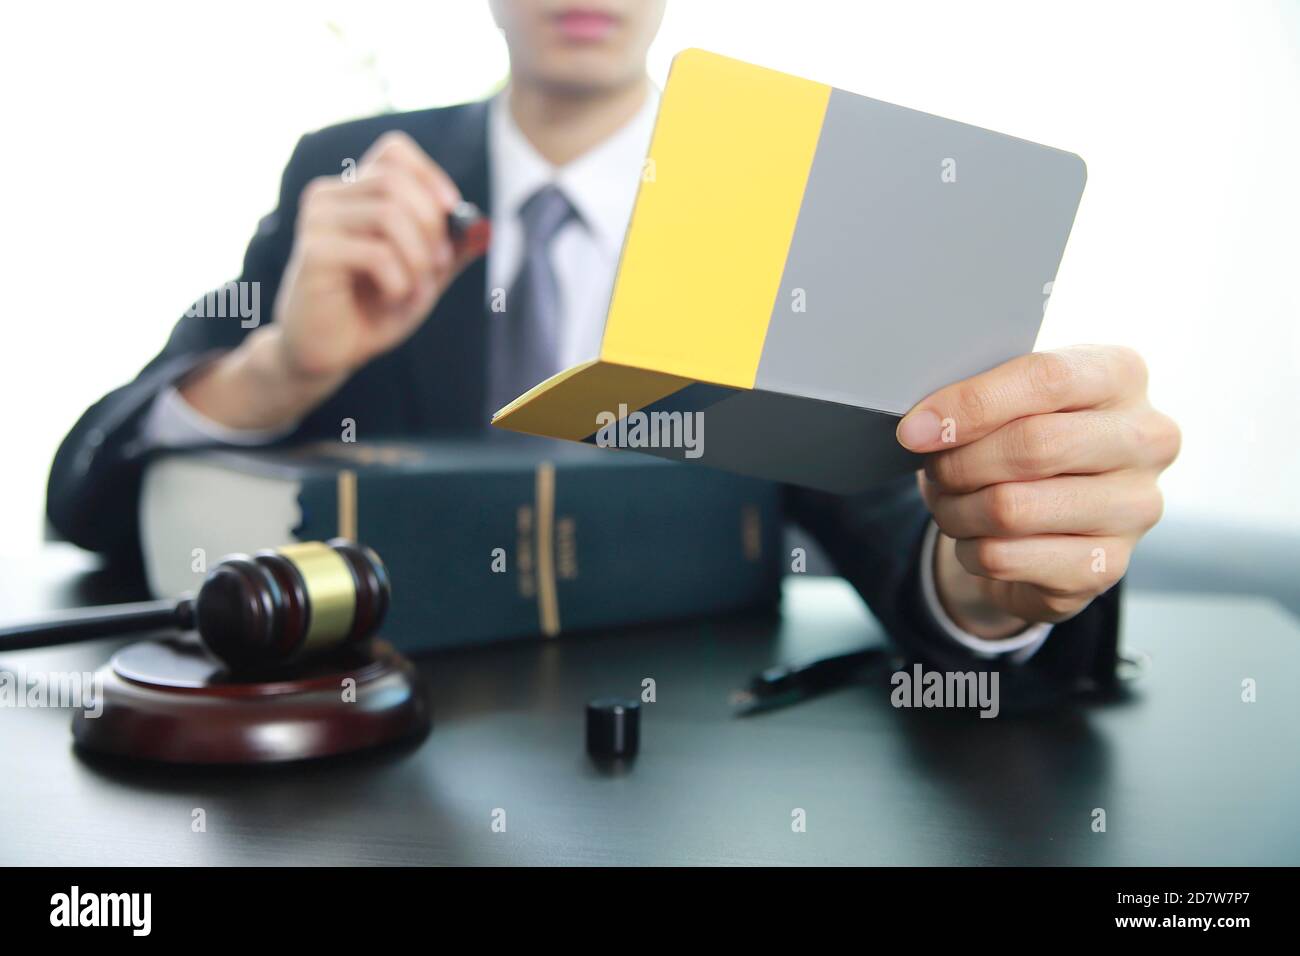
(488, 539)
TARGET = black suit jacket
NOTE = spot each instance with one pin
(435, 384)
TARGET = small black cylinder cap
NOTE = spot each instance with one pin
(613, 727)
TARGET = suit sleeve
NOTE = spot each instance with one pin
(92, 497)
(875, 541)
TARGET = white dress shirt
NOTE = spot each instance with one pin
(1020, 647)
(601, 185)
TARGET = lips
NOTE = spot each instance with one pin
(585, 26)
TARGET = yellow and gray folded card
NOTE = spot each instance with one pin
(802, 266)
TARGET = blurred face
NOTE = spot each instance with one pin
(578, 46)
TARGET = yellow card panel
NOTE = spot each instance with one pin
(566, 405)
(713, 220)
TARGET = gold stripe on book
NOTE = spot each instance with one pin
(347, 494)
(548, 602)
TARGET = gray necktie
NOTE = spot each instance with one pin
(524, 338)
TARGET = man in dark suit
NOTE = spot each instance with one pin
(990, 558)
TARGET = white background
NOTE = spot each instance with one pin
(142, 142)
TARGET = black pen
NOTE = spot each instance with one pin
(787, 684)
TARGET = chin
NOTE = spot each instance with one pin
(595, 67)
(597, 78)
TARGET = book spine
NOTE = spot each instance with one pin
(477, 558)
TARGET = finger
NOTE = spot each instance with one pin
(1033, 604)
(323, 196)
(1062, 565)
(1121, 503)
(391, 182)
(1035, 384)
(396, 185)
(397, 148)
(1062, 443)
(392, 222)
(369, 258)
(398, 324)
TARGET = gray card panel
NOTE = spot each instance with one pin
(911, 281)
(814, 444)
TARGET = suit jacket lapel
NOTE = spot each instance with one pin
(447, 358)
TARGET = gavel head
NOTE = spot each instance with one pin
(277, 606)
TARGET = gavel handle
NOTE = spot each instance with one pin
(91, 622)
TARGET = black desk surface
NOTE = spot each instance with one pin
(1186, 772)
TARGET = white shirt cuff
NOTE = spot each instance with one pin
(173, 422)
(1019, 648)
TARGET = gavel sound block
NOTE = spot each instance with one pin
(284, 665)
(171, 701)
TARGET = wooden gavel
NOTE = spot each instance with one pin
(270, 608)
